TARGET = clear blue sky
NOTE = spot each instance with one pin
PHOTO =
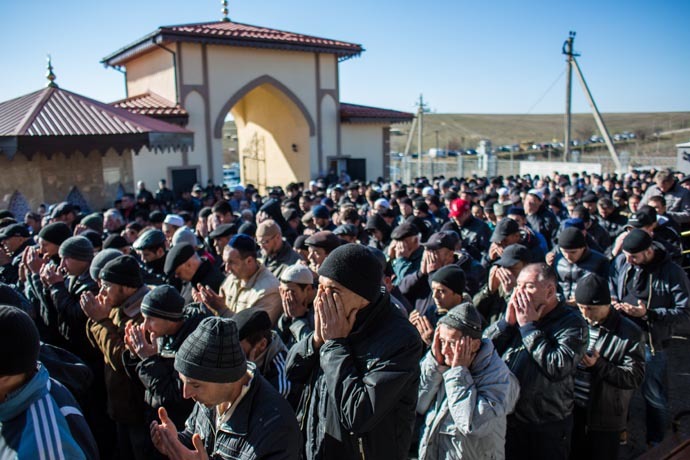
(465, 56)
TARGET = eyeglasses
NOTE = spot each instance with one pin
(263, 241)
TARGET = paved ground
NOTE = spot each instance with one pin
(679, 376)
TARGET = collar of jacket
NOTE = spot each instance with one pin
(370, 315)
(201, 272)
(130, 307)
(611, 321)
(19, 400)
(483, 358)
(282, 252)
(238, 423)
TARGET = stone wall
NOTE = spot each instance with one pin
(44, 179)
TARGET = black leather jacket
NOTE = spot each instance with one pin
(616, 374)
(667, 302)
(569, 274)
(475, 235)
(360, 391)
(262, 426)
(543, 355)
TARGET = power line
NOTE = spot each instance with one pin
(541, 98)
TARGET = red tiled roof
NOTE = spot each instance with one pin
(152, 105)
(233, 34)
(55, 120)
(363, 113)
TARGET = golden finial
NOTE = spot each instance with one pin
(50, 75)
(225, 11)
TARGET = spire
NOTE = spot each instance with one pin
(225, 11)
(50, 75)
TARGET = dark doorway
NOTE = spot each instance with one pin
(183, 180)
(357, 168)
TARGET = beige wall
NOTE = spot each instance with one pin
(327, 66)
(49, 180)
(268, 124)
(275, 120)
(365, 141)
(153, 166)
(152, 72)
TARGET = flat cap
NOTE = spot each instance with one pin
(179, 254)
(149, 239)
(444, 239)
(326, 240)
(404, 230)
(223, 230)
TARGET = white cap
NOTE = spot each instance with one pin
(239, 188)
(382, 202)
(297, 273)
(503, 191)
(174, 219)
(428, 191)
(536, 193)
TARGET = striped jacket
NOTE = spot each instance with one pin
(42, 421)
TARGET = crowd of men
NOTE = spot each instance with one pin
(510, 317)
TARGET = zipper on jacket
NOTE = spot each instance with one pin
(649, 325)
(361, 448)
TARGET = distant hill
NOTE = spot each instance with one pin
(465, 130)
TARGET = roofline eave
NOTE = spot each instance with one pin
(160, 36)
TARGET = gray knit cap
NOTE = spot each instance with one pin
(100, 260)
(77, 247)
(212, 353)
(464, 318)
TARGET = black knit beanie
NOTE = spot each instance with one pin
(356, 268)
(593, 290)
(55, 233)
(115, 242)
(77, 247)
(636, 241)
(212, 353)
(452, 277)
(19, 341)
(123, 270)
(571, 238)
(163, 302)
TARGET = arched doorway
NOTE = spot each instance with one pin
(274, 131)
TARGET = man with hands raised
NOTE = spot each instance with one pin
(542, 341)
(360, 366)
(653, 292)
(237, 414)
(466, 391)
(151, 349)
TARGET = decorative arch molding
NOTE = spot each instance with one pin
(264, 79)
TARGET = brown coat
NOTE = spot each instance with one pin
(125, 397)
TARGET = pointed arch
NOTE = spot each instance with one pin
(264, 79)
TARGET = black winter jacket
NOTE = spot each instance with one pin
(71, 320)
(616, 374)
(263, 426)
(162, 384)
(207, 275)
(667, 301)
(543, 355)
(361, 391)
(569, 274)
(475, 235)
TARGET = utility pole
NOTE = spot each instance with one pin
(573, 65)
(420, 127)
(568, 51)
